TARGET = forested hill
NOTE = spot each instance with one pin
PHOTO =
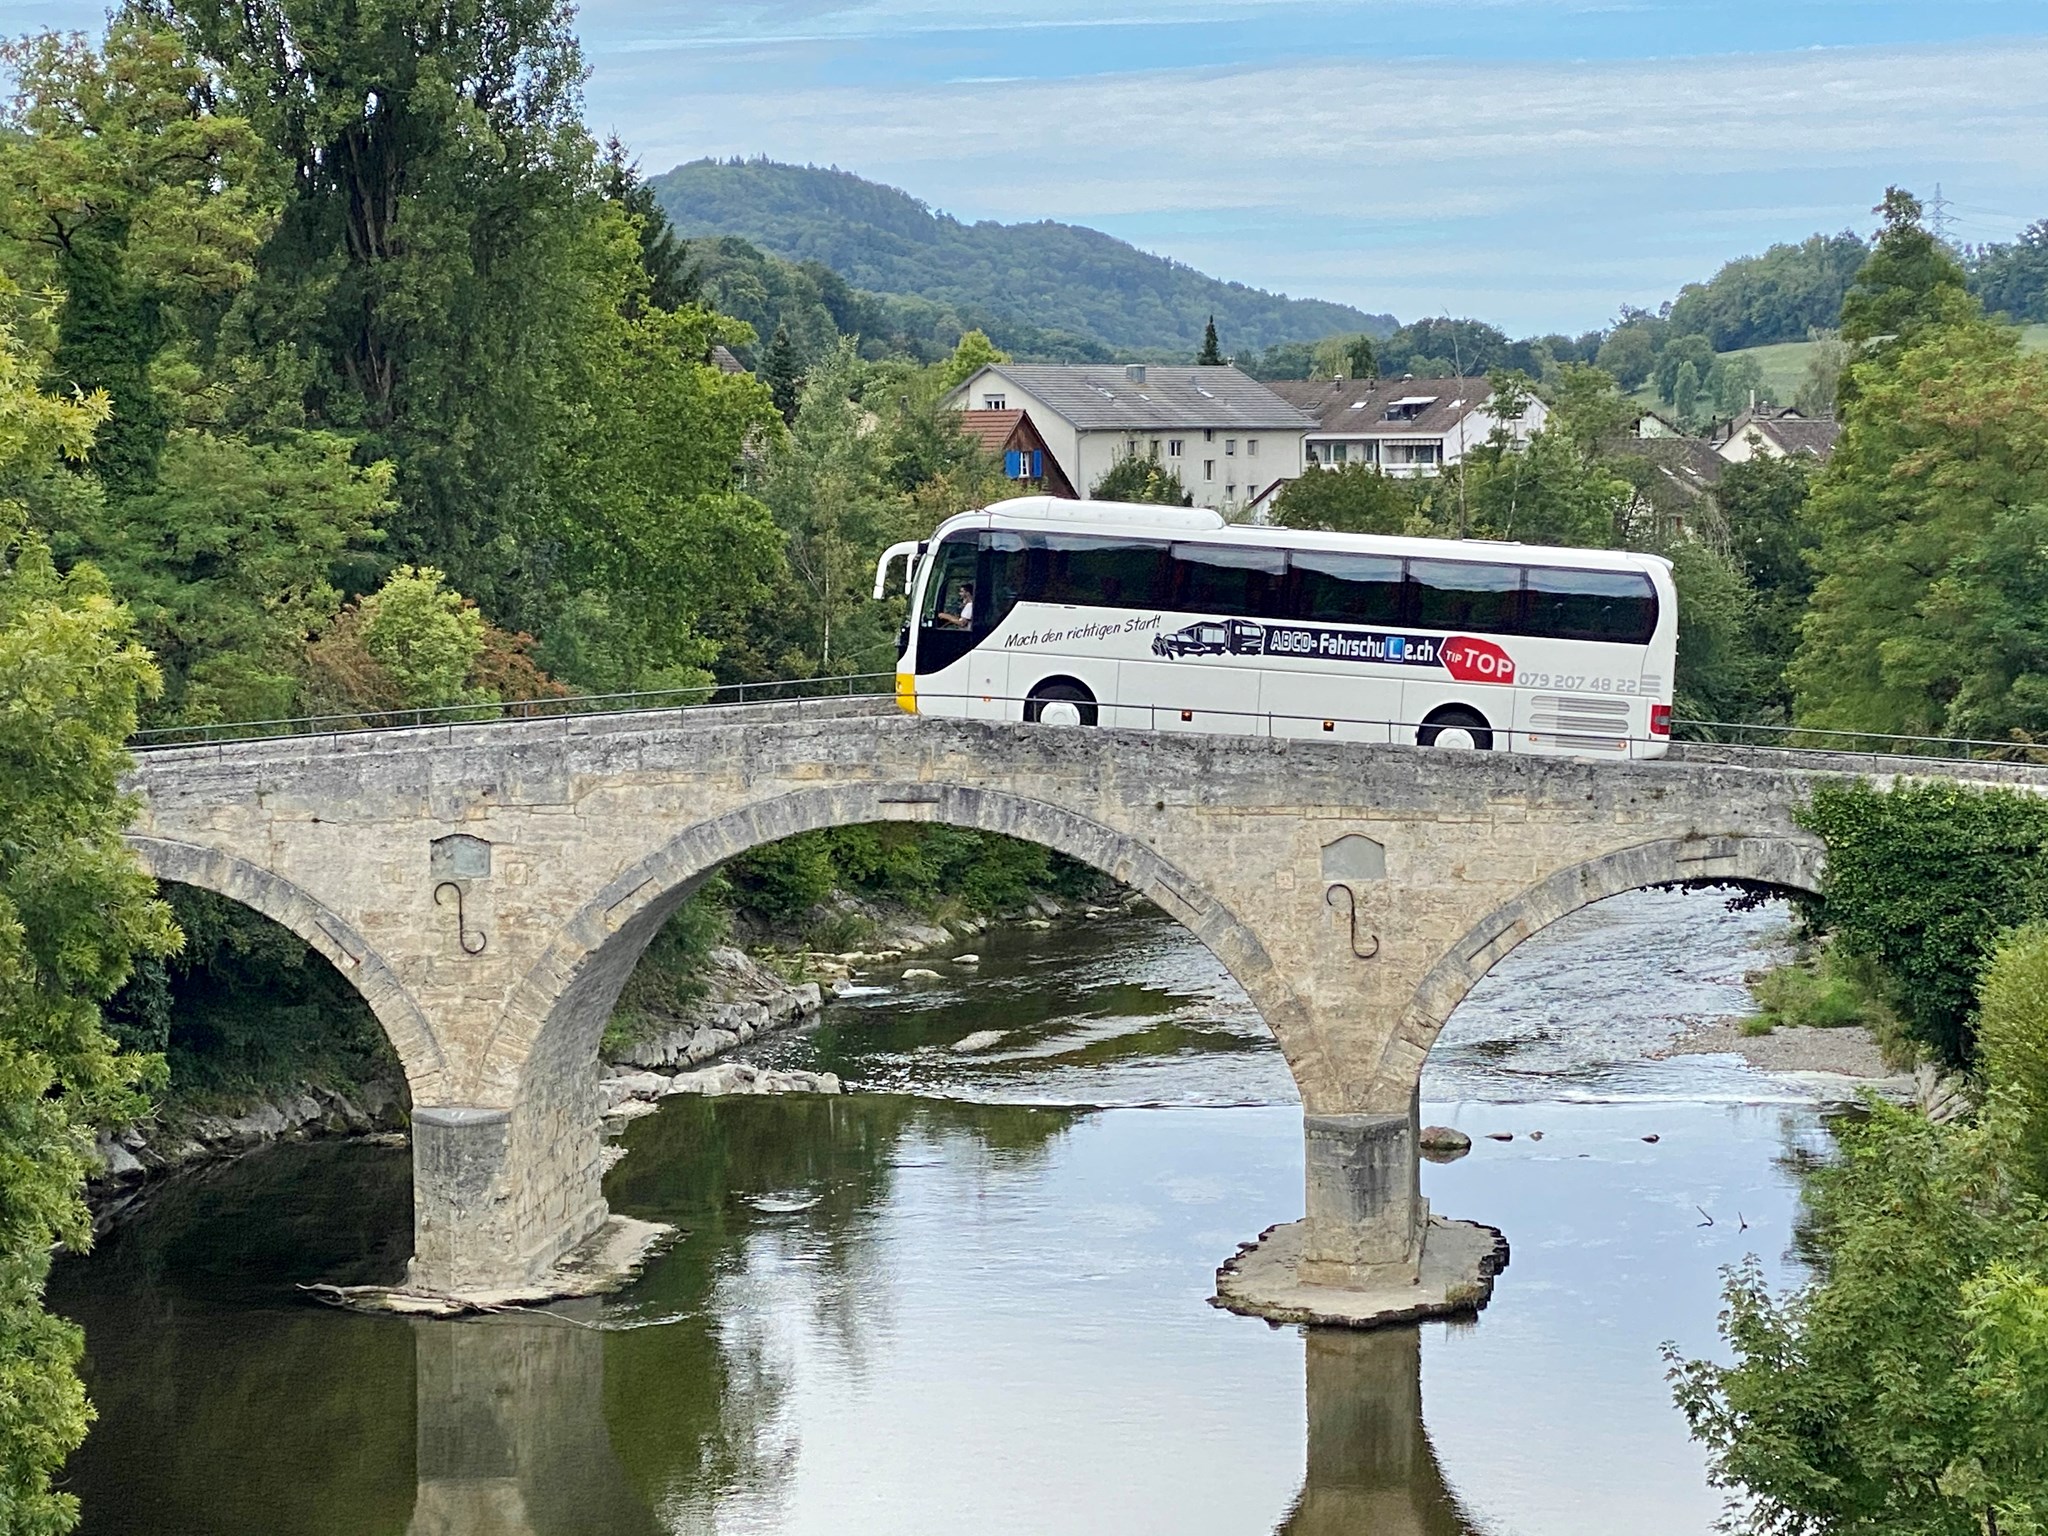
(1040, 276)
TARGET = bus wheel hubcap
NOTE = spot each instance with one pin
(1456, 736)
(1059, 712)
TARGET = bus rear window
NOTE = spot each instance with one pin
(1591, 605)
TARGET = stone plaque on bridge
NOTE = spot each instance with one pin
(1354, 857)
(460, 857)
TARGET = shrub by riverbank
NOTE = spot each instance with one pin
(1905, 1390)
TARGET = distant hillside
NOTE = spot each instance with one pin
(1019, 278)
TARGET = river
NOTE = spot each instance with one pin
(972, 1298)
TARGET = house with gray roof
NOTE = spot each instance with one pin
(1777, 433)
(1403, 426)
(1232, 441)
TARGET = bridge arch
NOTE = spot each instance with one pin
(291, 907)
(1790, 864)
(558, 1009)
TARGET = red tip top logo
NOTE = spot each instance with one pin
(1477, 661)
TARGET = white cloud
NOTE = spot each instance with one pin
(1555, 189)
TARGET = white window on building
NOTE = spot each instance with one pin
(1230, 493)
(995, 402)
(1230, 447)
(1208, 434)
(1336, 452)
(1173, 447)
(1208, 469)
(1155, 450)
(1251, 447)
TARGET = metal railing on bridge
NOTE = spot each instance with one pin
(1731, 737)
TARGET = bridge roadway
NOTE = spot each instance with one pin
(489, 887)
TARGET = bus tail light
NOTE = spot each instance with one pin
(906, 692)
(1660, 719)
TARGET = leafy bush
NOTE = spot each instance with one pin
(1906, 1390)
(1922, 879)
(783, 880)
(2012, 1047)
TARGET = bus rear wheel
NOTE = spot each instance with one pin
(1456, 727)
(1060, 703)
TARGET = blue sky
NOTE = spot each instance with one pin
(1534, 162)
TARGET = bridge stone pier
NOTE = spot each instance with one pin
(488, 888)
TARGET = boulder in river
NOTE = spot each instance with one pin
(980, 1040)
(1442, 1143)
(920, 973)
(967, 959)
(1500, 1135)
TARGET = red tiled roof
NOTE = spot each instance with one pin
(991, 429)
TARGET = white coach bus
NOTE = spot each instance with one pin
(1167, 618)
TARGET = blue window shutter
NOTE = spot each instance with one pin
(1037, 464)
(1011, 463)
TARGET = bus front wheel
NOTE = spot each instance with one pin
(1060, 703)
(1458, 728)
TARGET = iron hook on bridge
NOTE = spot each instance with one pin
(462, 934)
(1351, 911)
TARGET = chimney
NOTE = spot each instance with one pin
(1135, 372)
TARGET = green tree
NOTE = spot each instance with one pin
(1685, 393)
(1921, 881)
(1762, 504)
(1211, 355)
(973, 353)
(2012, 279)
(1904, 1390)
(425, 637)
(1823, 381)
(783, 374)
(1136, 478)
(75, 911)
(124, 182)
(1629, 354)
(827, 485)
(672, 281)
(229, 562)
(1351, 498)
(1677, 353)
(1927, 614)
(1910, 282)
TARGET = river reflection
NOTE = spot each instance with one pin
(906, 1313)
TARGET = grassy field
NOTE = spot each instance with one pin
(1784, 363)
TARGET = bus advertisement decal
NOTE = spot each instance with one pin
(1465, 657)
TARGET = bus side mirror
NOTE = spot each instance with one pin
(908, 550)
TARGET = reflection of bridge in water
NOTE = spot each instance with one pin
(513, 1439)
(489, 887)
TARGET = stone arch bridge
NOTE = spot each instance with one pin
(489, 887)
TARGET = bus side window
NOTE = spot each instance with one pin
(1236, 582)
(1102, 573)
(1345, 588)
(1462, 594)
(1005, 577)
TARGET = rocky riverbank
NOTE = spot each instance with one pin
(181, 1137)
